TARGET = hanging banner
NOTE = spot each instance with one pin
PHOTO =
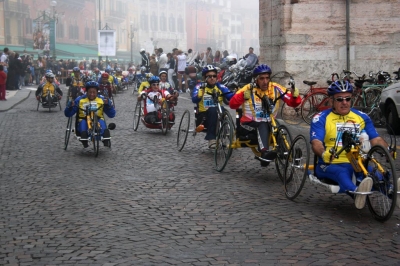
(41, 34)
(107, 43)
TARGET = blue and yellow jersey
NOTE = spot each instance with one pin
(206, 101)
(327, 127)
(48, 87)
(82, 102)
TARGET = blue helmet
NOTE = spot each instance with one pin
(76, 69)
(154, 79)
(108, 70)
(340, 86)
(49, 71)
(261, 69)
(91, 84)
(207, 69)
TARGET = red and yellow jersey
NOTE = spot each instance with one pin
(252, 108)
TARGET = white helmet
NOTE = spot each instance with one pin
(142, 50)
(231, 60)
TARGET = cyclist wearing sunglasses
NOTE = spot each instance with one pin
(249, 98)
(324, 131)
(152, 101)
(207, 109)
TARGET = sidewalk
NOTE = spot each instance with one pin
(14, 98)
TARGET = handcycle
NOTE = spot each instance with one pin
(377, 163)
(279, 139)
(52, 100)
(184, 124)
(94, 129)
(166, 109)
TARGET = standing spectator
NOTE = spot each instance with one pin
(171, 69)
(4, 59)
(38, 66)
(153, 65)
(145, 59)
(217, 57)
(19, 71)
(224, 55)
(3, 80)
(101, 65)
(93, 64)
(251, 54)
(209, 56)
(81, 65)
(181, 62)
(12, 72)
(162, 61)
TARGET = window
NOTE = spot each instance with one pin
(144, 22)
(163, 23)
(180, 24)
(87, 34)
(28, 25)
(154, 22)
(233, 29)
(94, 35)
(171, 23)
(60, 30)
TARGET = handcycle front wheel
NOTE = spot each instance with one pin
(136, 115)
(296, 167)
(68, 132)
(381, 169)
(313, 104)
(164, 117)
(95, 135)
(223, 148)
(284, 140)
(183, 130)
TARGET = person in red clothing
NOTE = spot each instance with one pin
(250, 98)
(3, 79)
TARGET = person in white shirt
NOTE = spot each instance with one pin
(181, 61)
(4, 59)
(162, 60)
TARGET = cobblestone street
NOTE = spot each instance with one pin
(144, 203)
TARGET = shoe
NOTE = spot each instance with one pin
(187, 90)
(212, 143)
(106, 134)
(84, 135)
(269, 155)
(264, 164)
(106, 143)
(365, 186)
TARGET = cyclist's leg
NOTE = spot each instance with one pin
(211, 123)
(83, 128)
(340, 173)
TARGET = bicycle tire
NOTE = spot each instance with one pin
(382, 202)
(313, 104)
(296, 167)
(290, 115)
(183, 130)
(283, 141)
(223, 148)
(68, 133)
(136, 115)
(164, 117)
(95, 135)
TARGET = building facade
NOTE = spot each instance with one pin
(313, 38)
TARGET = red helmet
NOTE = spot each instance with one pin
(105, 75)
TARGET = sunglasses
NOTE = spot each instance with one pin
(341, 99)
(155, 84)
(211, 76)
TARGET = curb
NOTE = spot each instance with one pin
(19, 97)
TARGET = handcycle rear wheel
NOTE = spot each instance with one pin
(291, 115)
(136, 115)
(383, 201)
(296, 167)
(223, 148)
(183, 130)
(95, 136)
(284, 140)
(313, 104)
(68, 133)
(164, 117)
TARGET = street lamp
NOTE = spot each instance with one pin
(131, 37)
(53, 22)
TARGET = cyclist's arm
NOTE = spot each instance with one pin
(195, 97)
(72, 109)
(58, 90)
(39, 90)
(238, 99)
(109, 110)
(226, 93)
(317, 147)
(379, 141)
(288, 97)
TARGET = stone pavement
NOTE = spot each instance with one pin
(144, 203)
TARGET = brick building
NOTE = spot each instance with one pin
(310, 39)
